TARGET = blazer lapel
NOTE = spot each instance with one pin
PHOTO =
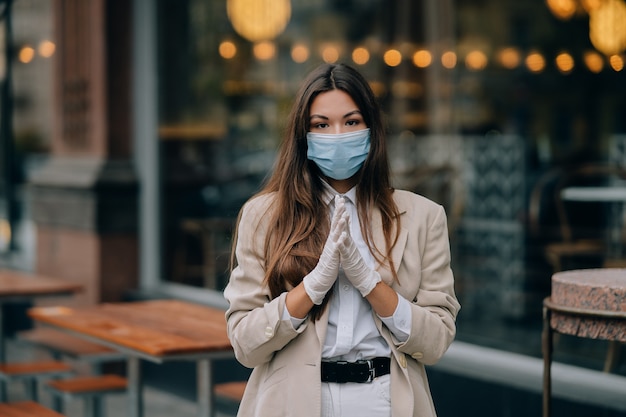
(379, 240)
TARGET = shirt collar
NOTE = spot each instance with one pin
(330, 193)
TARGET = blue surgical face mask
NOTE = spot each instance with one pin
(339, 156)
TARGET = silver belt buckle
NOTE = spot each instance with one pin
(370, 363)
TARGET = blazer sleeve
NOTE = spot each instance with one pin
(435, 307)
(254, 320)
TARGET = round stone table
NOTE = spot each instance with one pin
(589, 303)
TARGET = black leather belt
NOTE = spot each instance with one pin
(360, 371)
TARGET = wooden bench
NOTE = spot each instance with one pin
(61, 344)
(94, 387)
(31, 372)
(229, 394)
(90, 388)
(26, 409)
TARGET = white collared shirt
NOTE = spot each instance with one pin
(352, 332)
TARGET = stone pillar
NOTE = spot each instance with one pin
(84, 200)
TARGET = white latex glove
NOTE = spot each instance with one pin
(360, 275)
(323, 276)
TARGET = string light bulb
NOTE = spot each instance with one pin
(259, 20)
(607, 27)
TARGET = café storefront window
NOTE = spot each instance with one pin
(27, 52)
(488, 104)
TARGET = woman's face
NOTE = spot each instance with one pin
(335, 112)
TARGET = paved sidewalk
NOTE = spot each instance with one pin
(157, 403)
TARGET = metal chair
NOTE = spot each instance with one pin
(570, 240)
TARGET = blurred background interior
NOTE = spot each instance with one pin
(131, 132)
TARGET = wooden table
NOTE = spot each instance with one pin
(157, 331)
(606, 194)
(584, 303)
(19, 286)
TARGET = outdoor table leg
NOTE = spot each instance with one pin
(547, 362)
(135, 388)
(3, 387)
(205, 388)
(2, 336)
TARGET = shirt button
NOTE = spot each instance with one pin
(269, 332)
(346, 287)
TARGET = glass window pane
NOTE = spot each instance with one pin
(26, 96)
(488, 103)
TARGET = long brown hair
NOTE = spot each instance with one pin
(299, 221)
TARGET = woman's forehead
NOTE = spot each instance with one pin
(332, 102)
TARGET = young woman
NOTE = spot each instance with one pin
(342, 289)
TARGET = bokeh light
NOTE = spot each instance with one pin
(46, 48)
(378, 88)
(259, 20)
(535, 62)
(422, 58)
(227, 50)
(392, 57)
(5, 233)
(563, 9)
(360, 56)
(564, 62)
(407, 89)
(593, 61)
(448, 59)
(509, 58)
(476, 60)
(616, 62)
(300, 53)
(26, 54)
(264, 51)
(607, 27)
(330, 54)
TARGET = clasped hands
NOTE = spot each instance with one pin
(339, 250)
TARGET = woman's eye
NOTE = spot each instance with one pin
(320, 125)
(352, 122)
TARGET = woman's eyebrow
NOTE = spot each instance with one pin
(352, 113)
(345, 116)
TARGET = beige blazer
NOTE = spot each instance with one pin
(286, 376)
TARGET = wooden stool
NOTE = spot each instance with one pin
(230, 394)
(90, 388)
(26, 409)
(30, 372)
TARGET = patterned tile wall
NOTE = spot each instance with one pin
(488, 238)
